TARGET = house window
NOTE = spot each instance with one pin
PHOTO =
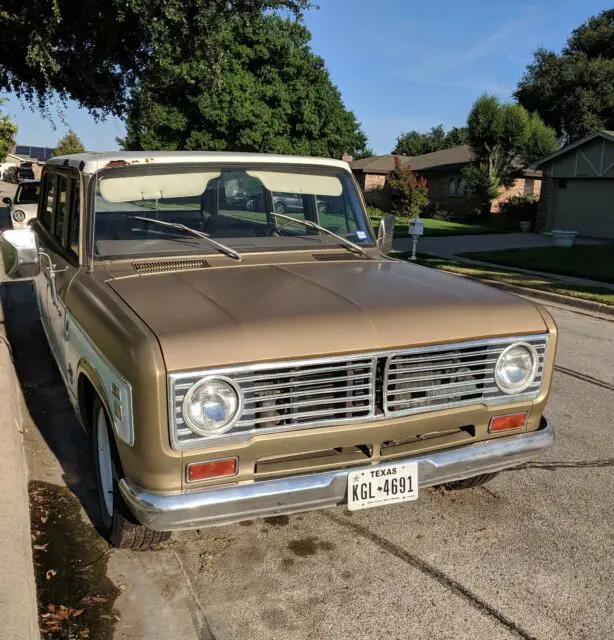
(529, 187)
(456, 188)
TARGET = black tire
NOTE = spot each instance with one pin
(120, 528)
(469, 483)
(280, 207)
(322, 207)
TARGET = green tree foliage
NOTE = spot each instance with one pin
(408, 191)
(503, 137)
(8, 133)
(414, 143)
(272, 94)
(573, 91)
(69, 143)
(94, 51)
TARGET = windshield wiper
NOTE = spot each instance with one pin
(348, 244)
(235, 255)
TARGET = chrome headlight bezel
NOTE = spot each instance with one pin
(232, 420)
(517, 389)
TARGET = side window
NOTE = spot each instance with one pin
(46, 216)
(74, 220)
(62, 209)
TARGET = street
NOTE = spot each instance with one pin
(530, 555)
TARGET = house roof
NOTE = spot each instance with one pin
(599, 133)
(436, 161)
(92, 162)
(444, 160)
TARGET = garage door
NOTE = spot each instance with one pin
(586, 205)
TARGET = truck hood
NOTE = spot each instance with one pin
(223, 316)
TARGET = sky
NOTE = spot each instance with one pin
(399, 64)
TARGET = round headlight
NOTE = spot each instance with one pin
(516, 368)
(211, 406)
(19, 215)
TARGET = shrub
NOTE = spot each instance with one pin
(437, 212)
(408, 191)
(519, 209)
(379, 198)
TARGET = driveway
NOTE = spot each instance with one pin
(450, 246)
(530, 555)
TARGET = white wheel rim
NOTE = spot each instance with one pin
(105, 463)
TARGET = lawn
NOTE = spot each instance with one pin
(439, 228)
(596, 294)
(583, 261)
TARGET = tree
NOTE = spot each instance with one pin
(8, 133)
(69, 143)
(414, 143)
(503, 137)
(272, 94)
(573, 91)
(94, 51)
(408, 191)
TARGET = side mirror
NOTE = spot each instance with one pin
(19, 251)
(385, 235)
(7, 201)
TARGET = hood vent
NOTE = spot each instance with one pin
(336, 255)
(158, 266)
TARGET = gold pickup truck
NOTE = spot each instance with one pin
(232, 360)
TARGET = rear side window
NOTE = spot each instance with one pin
(74, 217)
(46, 211)
(62, 209)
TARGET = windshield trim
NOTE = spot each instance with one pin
(190, 168)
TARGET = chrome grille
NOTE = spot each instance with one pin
(374, 386)
(449, 375)
(302, 394)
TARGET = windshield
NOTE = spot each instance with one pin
(27, 193)
(233, 206)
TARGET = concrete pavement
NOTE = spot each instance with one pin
(450, 246)
(18, 604)
(530, 555)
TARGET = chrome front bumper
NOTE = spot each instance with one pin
(217, 506)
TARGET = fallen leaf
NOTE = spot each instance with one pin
(50, 573)
(84, 633)
(76, 612)
(41, 547)
(44, 519)
(93, 599)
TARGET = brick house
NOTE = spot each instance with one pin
(442, 169)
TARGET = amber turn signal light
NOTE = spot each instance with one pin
(213, 469)
(507, 423)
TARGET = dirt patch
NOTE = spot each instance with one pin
(309, 546)
(277, 521)
(74, 594)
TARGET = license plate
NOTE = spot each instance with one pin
(380, 486)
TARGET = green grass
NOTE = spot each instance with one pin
(438, 228)
(595, 294)
(595, 262)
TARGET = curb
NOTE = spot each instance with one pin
(546, 296)
(18, 603)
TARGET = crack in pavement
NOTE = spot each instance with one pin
(431, 571)
(584, 377)
(571, 464)
(202, 627)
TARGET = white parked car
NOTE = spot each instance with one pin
(23, 207)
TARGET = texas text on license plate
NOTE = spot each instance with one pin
(384, 485)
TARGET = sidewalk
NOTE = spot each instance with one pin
(450, 246)
(18, 605)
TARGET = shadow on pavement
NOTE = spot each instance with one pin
(45, 394)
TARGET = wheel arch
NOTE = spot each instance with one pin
(89, 385)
